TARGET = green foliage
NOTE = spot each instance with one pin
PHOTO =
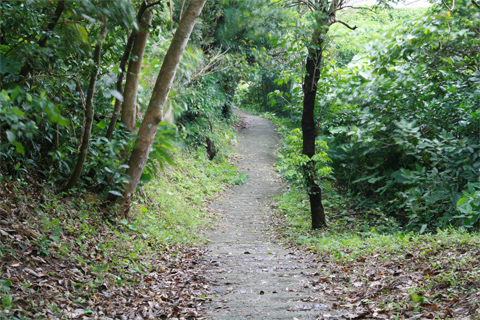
(345, 216)
(240, 179)
(408, 135)
(42, 112)
(161, 152)
(469, 205)
(401, 119)
(6, 296)
(207, 108)
(344, 44)
(21, 116)
(351, 235)
(295, 166)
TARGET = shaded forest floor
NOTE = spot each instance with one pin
(93, 269)
(68, 256)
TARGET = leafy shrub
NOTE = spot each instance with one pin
(408, 135)
(294, 165)
(469, 205)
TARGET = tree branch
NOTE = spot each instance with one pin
(476, 4)
(144, 7)
(181, 10)
(212, 65)
(445, 4)
(153, 4)
(309, 4)
(345, 24)
(276, 54)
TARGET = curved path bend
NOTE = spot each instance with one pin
(253, 277)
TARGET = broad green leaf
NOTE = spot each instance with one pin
(115, 193)
(4, 95)
(102, 124)
(417, 298)
(19, 147)
(9, 65)
(11, 136)
(462, 200)
(81, 31)
(117, 95)
(18, 112)
(423, 228)
(15, 92)
(54, 115)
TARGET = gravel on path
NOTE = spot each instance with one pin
(254, 277)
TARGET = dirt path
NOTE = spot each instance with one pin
(255, 278)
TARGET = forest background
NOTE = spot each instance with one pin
(396, 119)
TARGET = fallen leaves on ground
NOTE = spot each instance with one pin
(240, 124)
(427, 283)
(57, 275)
(439, 279)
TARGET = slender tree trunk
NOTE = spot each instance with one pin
(118, 102)
(129, 108)
(309, 131)
(27, 67)
(123, 64)
(153, 115)
(316, 206)
(89, 109)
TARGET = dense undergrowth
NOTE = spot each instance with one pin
(370, 263)
(92, 259)
(73, 120)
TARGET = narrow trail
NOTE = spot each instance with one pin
(255, 278)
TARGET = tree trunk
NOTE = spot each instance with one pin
(118, 102)
(316, 206)
(129, 109)
(89, 109)
(153, 115)
(123, 64)
(309, 131)
(43, 39)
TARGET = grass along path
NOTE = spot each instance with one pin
(66, 256)
(388, 274)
